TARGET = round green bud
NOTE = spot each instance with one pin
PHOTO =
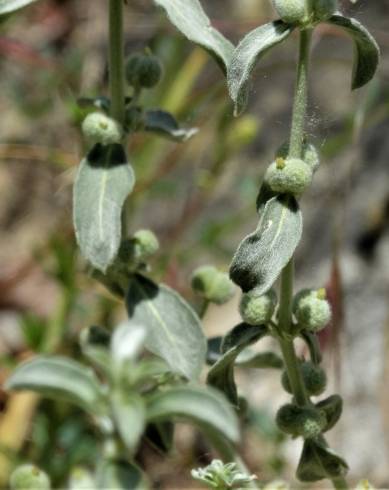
(99, 128)
(291, 11)
(323, 9)
(310, 154)
(133, 119)
(212, 285)
(257, 309)
(312, 310)
(315, 379)
(137, 249)
(29, 477)
(300, 421)
(290, 176)
(143, 70)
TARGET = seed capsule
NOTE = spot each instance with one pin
(99, 128)
(312, 310)
(213, 285)
(291, 11)
(143, 70)
(310, 155)
(315, 379)
(257, 310)
(291, 176)
(29, 477)
(300, 421)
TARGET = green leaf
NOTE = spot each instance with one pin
(248, 52)
(264, 195)
(164, 124)
(8, 6)
(214, 350)
(221, 374)
(312, 341)
(60, 378)
(94, 342)
(203, 406)
(332, 407)
(189, 18)
(104, 181)
(262, 255)
(129, 413)
(127, 342)
(259, 360)
(174, 329)
(318, 462)
(367, 51)
(120, 475)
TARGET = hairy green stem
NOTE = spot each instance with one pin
(301, 97)
(116, 59)
(286, 294)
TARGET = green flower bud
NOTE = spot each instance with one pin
(290, 176)
(315, 379)
(99, 128)
(300, 421)
(312, 310)
(213, 285)
(139, 248)
(310, 154)
(257, 309)
(29, 477)
(143, 70)
(291, 11)
(323, 9)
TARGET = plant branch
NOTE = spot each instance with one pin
(301, 97)
(286, 295)
(116, 59)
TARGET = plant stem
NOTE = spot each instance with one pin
(116, 76)
(301, 97)
(286, 294)
(116, 59)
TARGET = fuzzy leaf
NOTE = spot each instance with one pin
(189, 18)
(127, 342)
(262, 255)
(248, 52)
(312, 341)
(318, 462)
(221, 374)
(59, 378)
(332, 407)
(203, 406)
(367, 51)
(214, 350)
(129, 413)
(94, 342)
(120, 475)
(174, 329)
(104, 181)
(164, 124)
(8, 6)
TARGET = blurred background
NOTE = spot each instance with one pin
(199, 198)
